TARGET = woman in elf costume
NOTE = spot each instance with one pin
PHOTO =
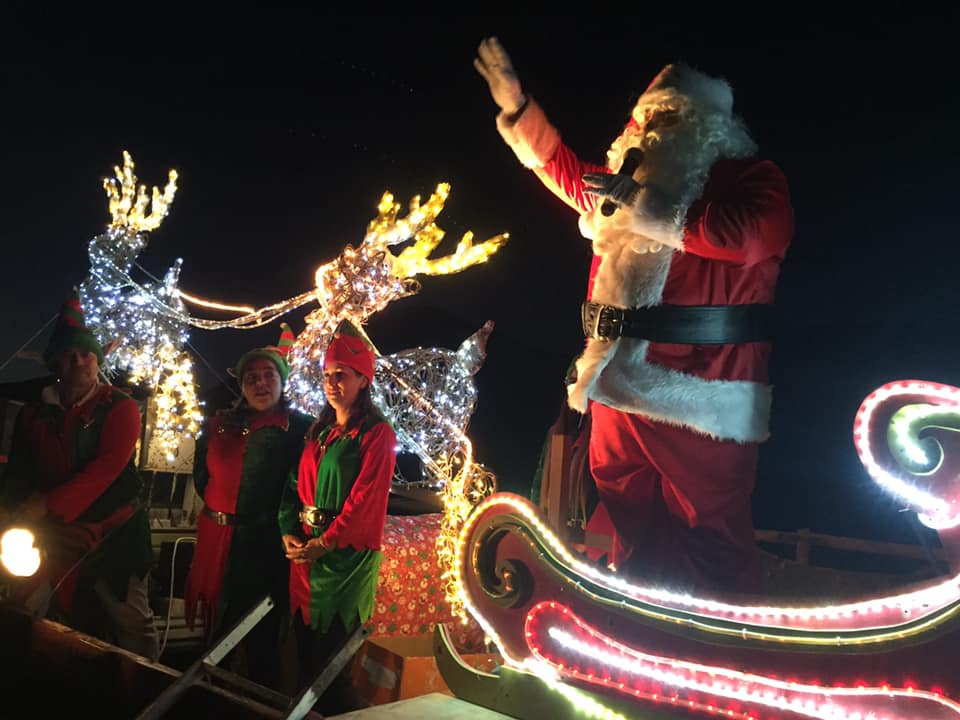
(333, 513)
(242, 462)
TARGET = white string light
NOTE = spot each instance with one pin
(428, 393)
(150, 343)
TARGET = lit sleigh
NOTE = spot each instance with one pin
(578, 642)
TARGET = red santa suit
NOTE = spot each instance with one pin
(675, 427)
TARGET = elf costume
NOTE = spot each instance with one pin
(81, 460)
(242, 461)
(345, 476)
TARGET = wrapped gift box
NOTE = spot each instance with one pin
(410, 598)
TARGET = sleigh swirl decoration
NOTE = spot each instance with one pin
(883, 657)
(903, 433)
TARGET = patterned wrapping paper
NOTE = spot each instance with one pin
(410, 598)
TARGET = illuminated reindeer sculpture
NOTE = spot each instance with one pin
(428, 394)
(144, 320)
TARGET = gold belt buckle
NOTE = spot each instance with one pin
(220, 518)
(601, 322)
(316, 517)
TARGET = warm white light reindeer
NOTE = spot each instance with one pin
(427, 393)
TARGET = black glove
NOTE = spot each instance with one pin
(620, 189)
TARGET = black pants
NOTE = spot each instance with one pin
(315, 650)
(257, 655)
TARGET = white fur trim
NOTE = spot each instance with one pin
(710, 93)
(531, 136)
(617, 375)
(630, 279)
(647, 218)
(638, 227)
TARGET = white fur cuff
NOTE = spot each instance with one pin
(531, 136)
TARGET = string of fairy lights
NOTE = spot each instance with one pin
(427, 393)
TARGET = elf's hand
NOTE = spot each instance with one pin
(493, 63)
(314, 549)
(292, 546)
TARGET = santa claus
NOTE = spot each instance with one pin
(689, 228)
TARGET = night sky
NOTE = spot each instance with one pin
(286, 127)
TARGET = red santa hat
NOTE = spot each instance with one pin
(708, 93)
(350, 347)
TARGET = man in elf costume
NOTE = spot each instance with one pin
(243, 459)
(72, 476)
(688, 229)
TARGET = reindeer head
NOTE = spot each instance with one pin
(363, 281)
(130, 220)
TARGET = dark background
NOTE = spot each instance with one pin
(286, 126)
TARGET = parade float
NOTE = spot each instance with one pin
(494, 573)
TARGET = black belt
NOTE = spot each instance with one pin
(317, 517)
(681, 324)
(225, 518)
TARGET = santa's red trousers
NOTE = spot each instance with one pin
(679, 503)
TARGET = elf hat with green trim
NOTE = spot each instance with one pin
(277, 354)
(71, 332)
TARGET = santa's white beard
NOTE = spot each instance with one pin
(675, 166)
(676, 163)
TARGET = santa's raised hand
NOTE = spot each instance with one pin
(493, 63)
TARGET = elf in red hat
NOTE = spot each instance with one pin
(334, 511)
(688, 228)
(243, 458)
(72, 474)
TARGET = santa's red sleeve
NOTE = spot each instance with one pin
(537, 144)
(747, 221)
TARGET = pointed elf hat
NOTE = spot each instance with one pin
(278, 354)
(351, 347)
(71, 332)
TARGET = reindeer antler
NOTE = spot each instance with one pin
(386, 229)
(415, 261)
(420, 224)
(364, 280)
(128, 203)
